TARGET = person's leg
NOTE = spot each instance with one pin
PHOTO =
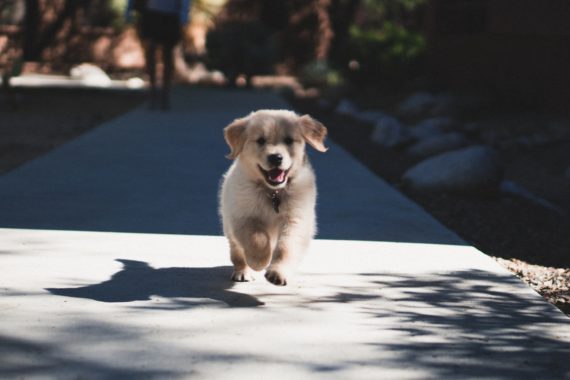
(150, 57)
(167, 73)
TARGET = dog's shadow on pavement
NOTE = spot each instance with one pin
(184, 287)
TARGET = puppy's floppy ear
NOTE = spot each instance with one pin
(313, 132)
(235, 136)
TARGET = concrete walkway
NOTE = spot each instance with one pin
(113, 267)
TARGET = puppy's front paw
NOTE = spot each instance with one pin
(276, 277)
(242, 276)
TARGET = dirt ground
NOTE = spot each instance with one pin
(531, 241)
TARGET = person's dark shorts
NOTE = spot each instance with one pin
(160, 27)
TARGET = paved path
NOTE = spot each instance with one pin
(158, 173)
(113, 267)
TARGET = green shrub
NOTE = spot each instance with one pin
(385, 54)
(319, 73)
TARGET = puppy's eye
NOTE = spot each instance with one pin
(261, 141)
(288, 141)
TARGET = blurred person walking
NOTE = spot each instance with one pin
(160, 24)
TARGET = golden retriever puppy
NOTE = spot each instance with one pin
(268, 195)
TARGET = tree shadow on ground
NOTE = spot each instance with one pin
(473, 324)
(464, 324)
(23, 358)
(105, 350)
(185, 287)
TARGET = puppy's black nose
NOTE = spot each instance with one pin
(275, 159)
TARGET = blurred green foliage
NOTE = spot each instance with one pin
(117, 12)
(384, 6)
(319, 73)
(390, 45)
(385, 44)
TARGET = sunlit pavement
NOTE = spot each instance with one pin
(113, 267)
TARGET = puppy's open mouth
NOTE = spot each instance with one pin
(274, 177)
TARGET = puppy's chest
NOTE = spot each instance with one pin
(254, 200)
(272, 205)
(276, 202)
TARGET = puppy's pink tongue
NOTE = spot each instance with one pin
(277, 175)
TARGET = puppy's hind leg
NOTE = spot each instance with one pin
(242, 272)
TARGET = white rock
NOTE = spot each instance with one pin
(539, 139)
(472, 127)
(559, 128)
(389, 133)
(346, 107)
(431, 127)
(469, 170)
(417, 104)
(444, 104)
(90, 75)
(444, 123)
(514, 188)
(437, 144)
(369, 116)
(135, 83)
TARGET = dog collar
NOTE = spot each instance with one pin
(275, 199)
(275, 195)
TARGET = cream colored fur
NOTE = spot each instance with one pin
(259, 237)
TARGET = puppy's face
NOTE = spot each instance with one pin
(271, 144)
